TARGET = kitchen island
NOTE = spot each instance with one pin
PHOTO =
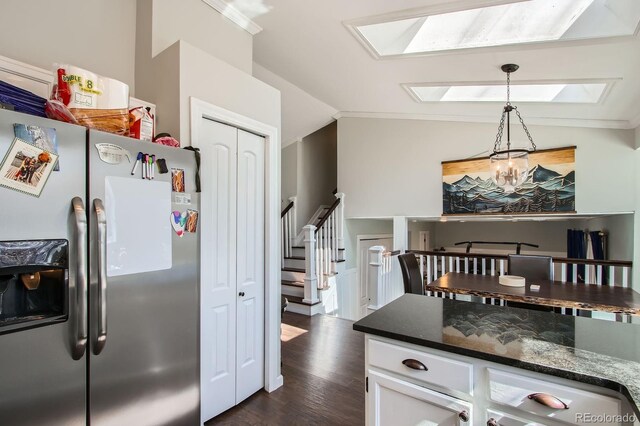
(452, 362)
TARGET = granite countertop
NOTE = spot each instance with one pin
(601, 353)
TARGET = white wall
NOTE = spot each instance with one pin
(289, 166)
(392, 167)
(215, 81)
(96, 35)
(302, 114)
(316, 170)
(202, 26)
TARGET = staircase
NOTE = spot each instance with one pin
(312, 258)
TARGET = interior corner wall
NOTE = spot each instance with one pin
(213, 80)
(317, 172)
(202, 26)
(390, 167)
(620, 234)
(289, 173)
(95, 35)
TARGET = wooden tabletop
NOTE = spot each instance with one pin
(552, 293)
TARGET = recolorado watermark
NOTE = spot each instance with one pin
(589, 418)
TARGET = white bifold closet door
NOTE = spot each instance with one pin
(232, 270)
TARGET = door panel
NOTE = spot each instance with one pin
(147, 372)
(40, 383)
(250, 266)
(218, 147)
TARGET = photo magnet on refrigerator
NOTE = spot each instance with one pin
(192, 220)
(177, 180)
(178, 222)
(26, 167)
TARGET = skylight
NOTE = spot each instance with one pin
(530, 21)
(556, 93)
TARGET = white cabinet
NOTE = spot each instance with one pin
(411, 385)
(393, 401)
(232, 266)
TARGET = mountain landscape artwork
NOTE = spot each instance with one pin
(549, 187)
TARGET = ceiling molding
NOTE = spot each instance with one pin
(234, 15)
(540, 121)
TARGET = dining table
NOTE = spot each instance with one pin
(592, 297)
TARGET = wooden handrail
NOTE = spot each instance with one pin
(327, 214)
(626, 263)
(286, 209)
(391, 253)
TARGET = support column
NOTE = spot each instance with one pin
(310, 276)
(374, 278)
(400, 233)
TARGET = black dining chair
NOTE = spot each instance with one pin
(532, 268)
(413, 282)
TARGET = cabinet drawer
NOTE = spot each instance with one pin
(439, 371)
(394, 402)
(496, 418)
(518, 392)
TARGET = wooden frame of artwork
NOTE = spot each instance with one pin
(549, 188)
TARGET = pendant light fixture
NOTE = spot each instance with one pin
(509, 167)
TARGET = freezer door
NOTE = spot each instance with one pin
(40, 382)
(144, 314)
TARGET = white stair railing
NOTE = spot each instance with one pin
(384, 278)
(327, 244)
(310, 275)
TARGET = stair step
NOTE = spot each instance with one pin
(294, 299)
(295, 257)
(293, 269)
(293, 283)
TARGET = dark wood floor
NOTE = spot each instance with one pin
(323, 369)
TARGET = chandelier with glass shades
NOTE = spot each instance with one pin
(509, 167)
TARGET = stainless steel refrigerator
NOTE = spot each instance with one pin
(109, 334)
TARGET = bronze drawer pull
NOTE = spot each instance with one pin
(548, 401)
(492, 422)
(414, 364)
(464, 415)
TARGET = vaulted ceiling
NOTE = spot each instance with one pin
(310, 45)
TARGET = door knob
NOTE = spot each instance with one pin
(492, 422)
(464, 415)
(241, 294)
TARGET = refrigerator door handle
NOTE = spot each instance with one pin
(101, 339)
(80, 342)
